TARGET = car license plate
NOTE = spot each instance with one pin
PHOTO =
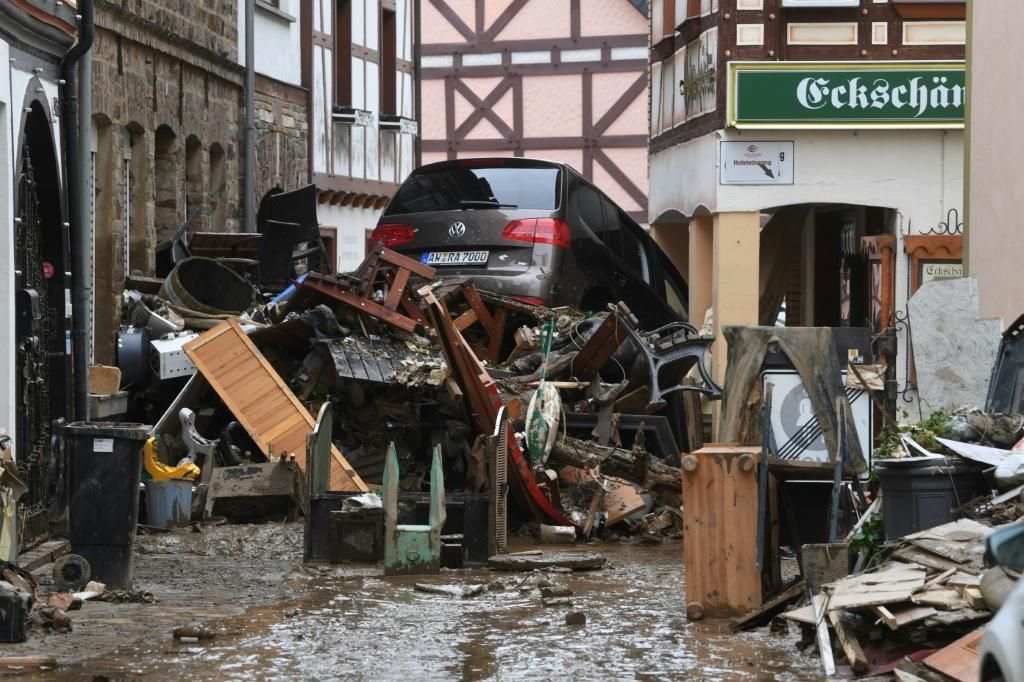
(455, 257)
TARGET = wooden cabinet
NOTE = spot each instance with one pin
(720, 531)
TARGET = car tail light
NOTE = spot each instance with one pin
(392, 234)
(538, 231)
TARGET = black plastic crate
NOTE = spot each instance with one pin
(356, 536)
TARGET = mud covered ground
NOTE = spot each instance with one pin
(276, 620)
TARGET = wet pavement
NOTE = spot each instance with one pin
(352, 623)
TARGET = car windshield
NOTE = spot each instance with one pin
(453, 187)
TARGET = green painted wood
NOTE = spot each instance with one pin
(412, 549)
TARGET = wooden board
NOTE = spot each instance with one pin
(260, 400)
(896, 616)
(960, 659)
(104, 380)
(720, 527)
(891, 584)
(621, 501)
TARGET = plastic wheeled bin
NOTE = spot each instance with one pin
(105, 461)
(923, 493)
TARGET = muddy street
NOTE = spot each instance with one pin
(319, 622)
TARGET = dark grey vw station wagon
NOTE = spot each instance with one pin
(535, 230)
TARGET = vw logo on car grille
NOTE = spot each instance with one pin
(457, 229)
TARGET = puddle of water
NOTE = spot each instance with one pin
(357, 625)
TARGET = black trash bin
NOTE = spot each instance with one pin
(922, 494)
(105, 460)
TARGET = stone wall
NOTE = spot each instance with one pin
(282, 152)
(168, 110)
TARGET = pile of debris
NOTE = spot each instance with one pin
(597, 409)
(908, 610)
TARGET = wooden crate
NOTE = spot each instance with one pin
(720, 531)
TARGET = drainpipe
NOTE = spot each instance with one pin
(416, 80)
(76, 169)
(249, 162)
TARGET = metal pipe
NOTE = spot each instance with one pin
(416, 80)
(81, 244)
(249, 162)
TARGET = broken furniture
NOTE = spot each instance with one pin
(669, 353)
(281, 249)
(720, 524)
(299, 207)
(106, 466)
(413, 549)
(330, 533)
(1006, 388)
(260, 400)
(466, 521)
(378, 287)
(477, 313)
(482, 403)
(812, 351)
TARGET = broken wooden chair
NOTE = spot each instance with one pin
(378, 287)
(412, 549)
(477, 313)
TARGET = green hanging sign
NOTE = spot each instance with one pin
(846, 94)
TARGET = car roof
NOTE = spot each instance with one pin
(497, 161)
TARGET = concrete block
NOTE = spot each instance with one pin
(954, 350)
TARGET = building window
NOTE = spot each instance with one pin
(343, 53)
(388, 62)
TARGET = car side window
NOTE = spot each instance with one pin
(589, 203)
(631, 246)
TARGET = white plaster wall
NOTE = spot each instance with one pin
(278, 43)
(684, 178)
(354, 225)
(8, 401)
(995, 242)
(918, 172)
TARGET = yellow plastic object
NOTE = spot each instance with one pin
(160, 471)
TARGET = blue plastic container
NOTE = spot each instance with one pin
(169, 503)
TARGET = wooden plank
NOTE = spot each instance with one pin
(893, 583)
(945, 599)
(824, 643)
(804, 614)
(926, 559)
(720, 526)
(772, 607)
(896, 616)
(960, 659)
(104, 380)
(848, 641)
(260, 379)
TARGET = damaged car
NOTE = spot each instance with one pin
(535, 230)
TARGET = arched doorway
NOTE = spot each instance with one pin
(42, 343)
(167, 183)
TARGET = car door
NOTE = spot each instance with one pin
(636, 272)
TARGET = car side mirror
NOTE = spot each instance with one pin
(1006, 548)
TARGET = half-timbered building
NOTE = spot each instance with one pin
(806, 159)
(564, 80)
(357, 65)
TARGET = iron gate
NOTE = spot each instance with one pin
(39, 333)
